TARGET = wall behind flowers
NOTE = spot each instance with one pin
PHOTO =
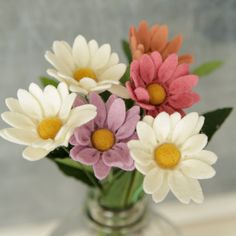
(37, 192)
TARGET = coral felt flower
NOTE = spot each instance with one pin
(86, 67)
(43, 120)
(102, 143)
(158, 85)
(145, 40)
(170, 154)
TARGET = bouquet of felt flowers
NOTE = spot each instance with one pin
(122, 130)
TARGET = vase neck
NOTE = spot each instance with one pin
(111, 219)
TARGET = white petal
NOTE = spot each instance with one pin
(63, 90)
(185, 128)
(208, 157)
(63, 51)
(80, 51)
(196, 190)
(101, 57)
(114, 72)
(146, 134)
(142, 157)
(114, 59)
(120, 91)
(162, 126)
(162, 192)
(34, 154)
(78, 89)
(67, 105)
(93, 47)
(199, 125)
(179, 186)
(57, 63)
(153, 181)
(52, 101)
(197, 169)
(29, 104)
(19, 136)
(174, 119)
(136, 144)
(145, 169)
(87, 83)
(101, 87)
(55, 74)
(13, 105)
(148, 120)
(18, 120)
(194, 144)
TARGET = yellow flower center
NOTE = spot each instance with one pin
(156, 93)
(84, 72)
(103, 139)
(167, 156)
(49, 127)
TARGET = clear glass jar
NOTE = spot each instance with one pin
(97, 220)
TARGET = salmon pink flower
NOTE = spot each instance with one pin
(158, 85)
(102, 143)
(150, 39)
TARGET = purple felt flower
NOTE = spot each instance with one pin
(102, 143)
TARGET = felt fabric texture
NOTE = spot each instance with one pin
(113, 116)
(174, 78)
(147, 39)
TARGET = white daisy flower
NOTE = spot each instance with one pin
(169, 152)
(86, 67)
(43, 119)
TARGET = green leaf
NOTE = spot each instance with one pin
(207, 68)
(126, 49)
(76, 170)
(48, 81)
(126, 76)
(214, 119)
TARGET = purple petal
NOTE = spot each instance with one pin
(97, 101)
(135, 110)
(82, 135)
(110, 100)
(101, 170)
(75, 150)
(116, 114)
(87, 156)
(72, 140)
(128, 128)
(119, 157)
(79, 101)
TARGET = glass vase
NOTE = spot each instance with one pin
(98, 220)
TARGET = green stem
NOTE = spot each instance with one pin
(126, 203)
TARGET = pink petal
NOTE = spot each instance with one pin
(147, 69)
(141, 94)
(119, 157)
(168, 68)
(146, 106)
(183, 84)
(184, 100)
(87, 156)
(79, 101)
(157, 60)
(101, 170)
(97, 101)
(181, 70)
(130, 90)
(72, 140)
(75, 150)
(135, 77)
(128, 128)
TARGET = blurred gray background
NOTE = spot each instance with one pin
(37, 192)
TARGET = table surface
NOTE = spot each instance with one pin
(216, 217)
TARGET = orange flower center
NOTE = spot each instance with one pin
(156, 93)
(103, 139)
(167, 156)
(49, 127)
(84, 72)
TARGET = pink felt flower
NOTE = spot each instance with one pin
(158, 85)
(102, 143)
